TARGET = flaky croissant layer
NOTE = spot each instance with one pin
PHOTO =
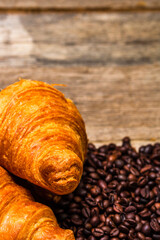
(23, 219)
(42, 136)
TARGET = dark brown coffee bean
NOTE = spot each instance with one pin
(130, 215)
(134, 171)
(117, 218)
(142, 181)
(106, 203)
(145, 193)
(97, 232)
(86, 212)
(146, 229)
(108, 178)
(95, 220)
(138, 227)
(113, 184)
(155, 225)
(91, 237)
(76, 220)
(117, 208)
(145, 213)
(94, 176)
(105, 238)
(90, 201)
(141, 236)
(102, 184)
(130, 209)
(146, 168)
(101, 172)
(114, 232)
(106, 230)
(123, 228)
(95, 191)
(122, 236)
(119, 163)
(95, 211)
(102, 218)
(156, 236)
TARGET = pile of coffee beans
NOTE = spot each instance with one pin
(118, 196)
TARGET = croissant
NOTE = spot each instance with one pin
(23, 219)
(42, 136)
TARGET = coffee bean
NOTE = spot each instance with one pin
(117, 208)
(86, 212)
(146, 168)
(95, 191)
(146, 229)
(76, 220)
(97, 232)
(141, 236)
(134, 171)
(122, 236)
(95, 220)
(102, 184)
(130, 209)
(119, 163)
(156, 236)
(95, 211)
(155, 225)
(123, 228)
(106, 230)
(117, 218)
(90, 201)
(106, 203)
(105, 238)
(114, 232)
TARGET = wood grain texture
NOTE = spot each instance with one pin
(110, 62)
(79, 39)
(114, 101)
(81, 4)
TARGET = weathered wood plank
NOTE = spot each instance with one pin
(81, 4)
(114, 101)
(79, 39)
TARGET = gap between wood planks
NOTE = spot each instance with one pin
(77, 10)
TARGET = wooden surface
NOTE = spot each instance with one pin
(81, 4)
(110, 62)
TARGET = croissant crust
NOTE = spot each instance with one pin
(42, 136)
(23, 219)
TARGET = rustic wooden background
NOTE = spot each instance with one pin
(107, 52)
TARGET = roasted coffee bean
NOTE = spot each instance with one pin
(146, 229)
(86, 212)
(95, 211)
(105, 238)
(95, 220)
(130, 209)
(97, 232)
(156, 236)
(102, 184)
(117, 218)
(141, 236)
(95, 191)
(155, 225)
(114, 232)
(117, 208)
(90, 201)
(123, 228)
(106, 230)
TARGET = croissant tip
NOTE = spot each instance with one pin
(69, 235)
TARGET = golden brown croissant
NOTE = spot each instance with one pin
(23, 219)
(42, 136)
